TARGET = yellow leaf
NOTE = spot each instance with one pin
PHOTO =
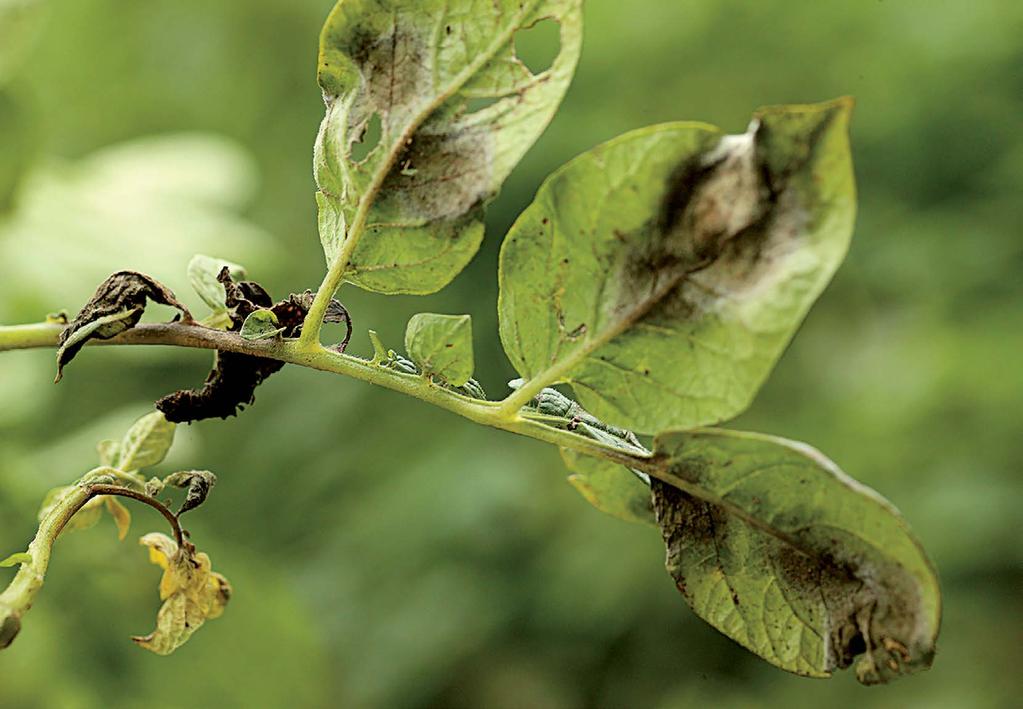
(192, 593)
(121, 515)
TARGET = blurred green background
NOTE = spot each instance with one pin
(385, 554)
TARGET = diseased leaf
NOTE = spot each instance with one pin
(116, 306)
(202, 274)
(793, 559)
(441, 345)
(261, 325)
(663, 273)
(611, 488)
(146, 443)
(197, 482)
(232, 382)
(191, 593)
(102, 328)
(21, 557)
(414, 69)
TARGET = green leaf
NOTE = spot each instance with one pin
(415, 69)
(261, 325)
(21, 557)
(664, 272)
(202, 274)
(791, 558)
(441, 345)
(611, 488)
(146, 443)
(109, 452)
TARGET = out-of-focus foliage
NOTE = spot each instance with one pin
(384, 554)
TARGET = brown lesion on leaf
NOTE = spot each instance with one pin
(868, 609)
(231, 384)
(444, 173)
(116, 306)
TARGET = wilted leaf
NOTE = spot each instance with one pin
(412, 69)
(610, 487)
(441, 345)
(197, 482)
(190, 591)
(116, 306)
(121, 515)
(146, 443)
(664, 272)
(261, 325)
(22, 557)
(232, 382)
(793, 559)
(202, 274)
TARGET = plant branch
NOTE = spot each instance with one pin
(487, 413)
(291, 351)
(19, 595)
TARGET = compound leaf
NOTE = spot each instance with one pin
(663, 273)
(791, 558)
(413, 71)
(441, 346)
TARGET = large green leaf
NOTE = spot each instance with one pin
(664, 272)
(791, 558)
(416, 69)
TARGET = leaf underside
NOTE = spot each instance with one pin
(416, 70)
(792, 558)
(663, 273)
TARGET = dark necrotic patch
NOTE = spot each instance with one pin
(231, 384)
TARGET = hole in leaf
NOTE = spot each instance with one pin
(538, 46)
(475, 105)
(370, 138)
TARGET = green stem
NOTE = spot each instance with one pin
(19, 595)
(18, 337)
(487, 413)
